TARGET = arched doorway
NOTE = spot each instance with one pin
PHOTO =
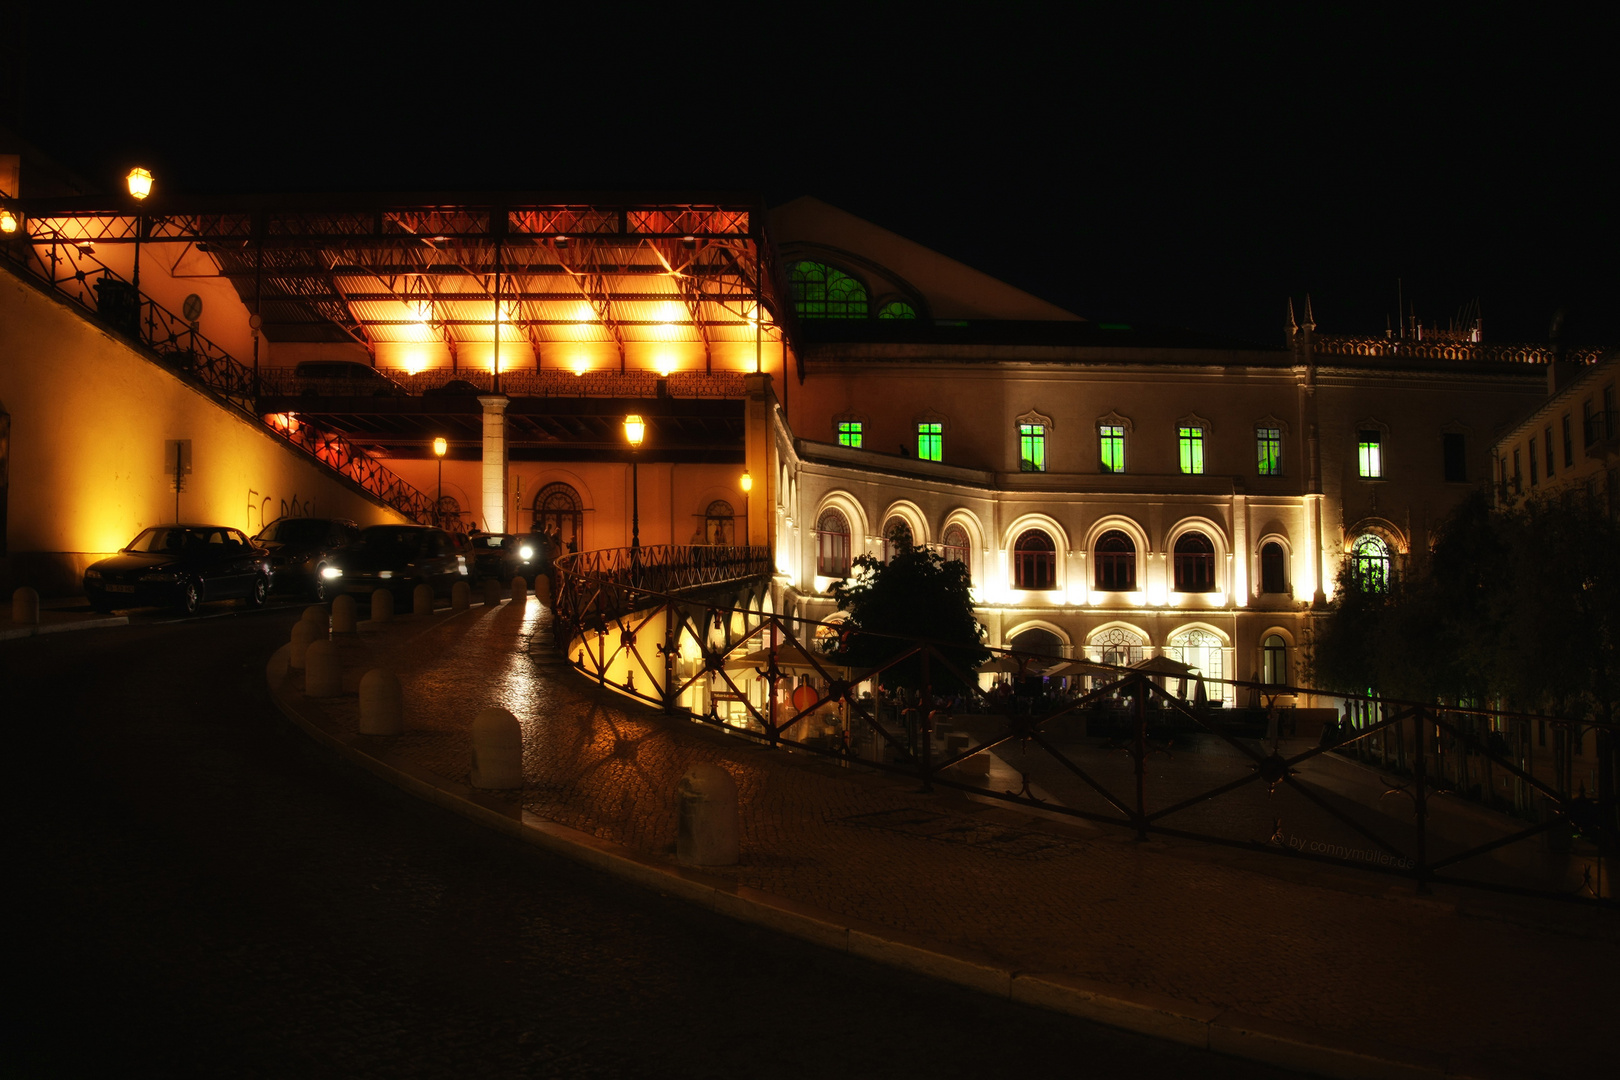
(1118, 646)
(558, 510)
(719, 522)
(1038, 641)
(1202, 651)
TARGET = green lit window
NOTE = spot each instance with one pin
(897, 309)
(1192, 449)
(929, 437)
(849, 433)
(1031, 448)
(1112, 437)
(1268, 441)
(821, 292)
(1370, 454)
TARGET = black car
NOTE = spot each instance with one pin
(301, 547)
(183, 566)
(505, 556)
(397, 558)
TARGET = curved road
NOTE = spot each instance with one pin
(204, 893)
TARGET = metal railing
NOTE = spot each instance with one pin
(68, 269)
(734, 668)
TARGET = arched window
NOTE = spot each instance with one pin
(558, 510)
(719, 523)
(896, 537)
(1369, 563)
(1118, 646)
(897, 309)
(822, 292)
(1034, 561)
(1201, 651)
(1273, 568)
(954, 545)
(832, 544)
(1274, 660)
(447, 514)
(1038, 642)
(1116, 562)
(1195, 563)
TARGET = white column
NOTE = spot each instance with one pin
(494, 492)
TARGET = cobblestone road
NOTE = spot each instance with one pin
(1526, 991)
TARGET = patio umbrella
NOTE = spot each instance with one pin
(1083, 667)
(1163, 665)
(1011, 664)
(787, 656)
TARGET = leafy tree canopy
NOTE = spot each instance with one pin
(916, 594)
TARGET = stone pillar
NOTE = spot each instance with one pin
(494, 491)
(381, 704)
(497, 750)
(706, 830)
(25, 606)
(759, 440)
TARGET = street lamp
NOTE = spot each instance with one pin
(140, 186)
(747, 486)
(140, 182)
(440, 446)
(635, 430)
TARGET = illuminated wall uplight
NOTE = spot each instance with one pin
(579, 365)
(665, 365)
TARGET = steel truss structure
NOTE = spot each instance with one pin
(611, 605)
(528, 271)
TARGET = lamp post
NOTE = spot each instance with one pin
(635, 430)
(440, 446)
(140, 186)
(747, 485)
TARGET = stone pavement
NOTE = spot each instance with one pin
(1322, 969)
(56, 617)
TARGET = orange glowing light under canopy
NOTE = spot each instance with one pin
(635, 430)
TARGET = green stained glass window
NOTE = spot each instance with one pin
(1192, 449)
(823, 292)
(1112, 437)
(849, 433)
(1268, 441)
(929, 438)
(1370, 454)
(897, 309)
(1031, 448)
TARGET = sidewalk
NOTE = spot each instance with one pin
(53, 619)
(1324, 970)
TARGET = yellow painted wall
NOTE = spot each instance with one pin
(89, 419)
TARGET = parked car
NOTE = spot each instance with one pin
(344, 378)
(183, 566)
(301, 547)
(397, 558)
(506, 555)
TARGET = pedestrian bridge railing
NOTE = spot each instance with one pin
(1138, 748)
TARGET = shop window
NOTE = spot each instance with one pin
(1191, 440)
(1112, 440)
(1194, 563)
(822, 292)
(930, 440)
(1273, 568)
(1268, 444)
(1031, 448)
(1034, 561)
(832, 544)
(1116, 562)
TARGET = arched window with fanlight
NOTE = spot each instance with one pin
(1194, 563)
(1274, 660)
(558, 510)
(1116, 562)
(954, 545)
(825, 292)
(1034, 561)
(719, 523)
(1370, 563)
(897, 537)
(832, 544)
(1273, 568)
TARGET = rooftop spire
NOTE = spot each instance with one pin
(1310, 319)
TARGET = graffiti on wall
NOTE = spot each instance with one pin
(263, 509)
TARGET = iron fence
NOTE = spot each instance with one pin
(72, 271)
(766, 676)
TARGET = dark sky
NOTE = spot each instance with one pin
(1168, 165)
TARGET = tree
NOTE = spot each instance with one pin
(917, 594)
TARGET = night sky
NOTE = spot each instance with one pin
(1168, 166)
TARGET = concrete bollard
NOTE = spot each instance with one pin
(542, 590)
(497, 751)
(382, 606)
(25, 606)
(323, 673)
(460, 596)
(707, 831)
(492, 592)
(316, 613)
(303, 635)
(520, 588)
(382, 708)
(422, 600)
(344, 615)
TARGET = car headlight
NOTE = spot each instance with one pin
(331, 573)
(92, 574)
(384, 575)
(161, 576)
(525, 553)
